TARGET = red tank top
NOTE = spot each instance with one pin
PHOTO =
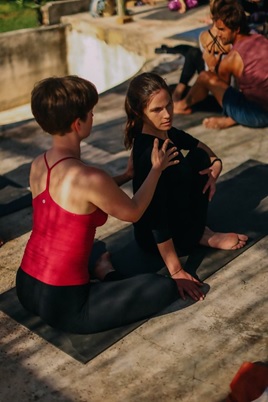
(60, 244)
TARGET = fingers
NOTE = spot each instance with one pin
(193, 292)
(172, 153)
(211, 193)
(172, 150)
(205, 188)
(181, 292)
(191, 287)
(205, 171)
(196, 294)
(165, 145)
(156, 144)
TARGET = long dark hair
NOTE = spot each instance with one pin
(139, 93)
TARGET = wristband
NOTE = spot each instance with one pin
(174, 273)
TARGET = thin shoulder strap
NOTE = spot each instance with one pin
(211, 34)
(55, 164)
(216, 42)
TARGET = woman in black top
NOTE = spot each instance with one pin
(175, 220)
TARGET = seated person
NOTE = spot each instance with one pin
(195, 63)
(247, 62)
(175, 220)
(70, 200)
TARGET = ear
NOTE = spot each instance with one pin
(76, 125)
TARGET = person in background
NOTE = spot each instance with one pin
(205, 57)
(247, 62)
(175, 221)
(70, 200)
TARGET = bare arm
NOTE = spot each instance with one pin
(106, 195)
(231, 65)
(185, 282)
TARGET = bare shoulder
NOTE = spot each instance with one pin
(94, 177)
(37, 167)
(39, 160)
(234, 61)
(232, 64)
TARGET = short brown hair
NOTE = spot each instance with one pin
(58, 101)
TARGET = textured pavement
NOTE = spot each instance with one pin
(190, 355)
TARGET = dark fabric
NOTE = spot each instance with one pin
(179, 208)
(97, 306)
(242, 110)
(194, 63)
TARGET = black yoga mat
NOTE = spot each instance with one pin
(13, 197)
(240, 204)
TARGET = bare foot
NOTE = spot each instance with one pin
(223, 241)
(103, 266)
(218, 122)
(180, 108)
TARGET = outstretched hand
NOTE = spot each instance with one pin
(163, 157)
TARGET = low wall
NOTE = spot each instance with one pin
(105, 64)
(53, 11)
(72, 47)
(27, 56)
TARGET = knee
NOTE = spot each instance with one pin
(208, 78)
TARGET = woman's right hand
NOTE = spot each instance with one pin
(187, 283)
(163, 157)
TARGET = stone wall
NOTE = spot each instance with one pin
(27, 56)
(53, 11)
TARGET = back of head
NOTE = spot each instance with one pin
(232, 14)
(140, 90)
(58, 101)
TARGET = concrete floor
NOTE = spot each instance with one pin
(188, 356)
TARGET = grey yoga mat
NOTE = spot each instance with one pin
(240, 204)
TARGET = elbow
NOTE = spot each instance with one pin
(133, 216)
(136, 219)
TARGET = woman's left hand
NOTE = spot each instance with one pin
(213, 173)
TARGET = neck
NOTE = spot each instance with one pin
(240, 37)
(162, 135)
(66, 145)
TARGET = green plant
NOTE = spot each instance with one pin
(19, 14)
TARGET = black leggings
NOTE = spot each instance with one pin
(194, 63)
(97, 306)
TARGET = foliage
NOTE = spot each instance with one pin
(18, 14)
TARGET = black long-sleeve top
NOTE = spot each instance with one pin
(171, 212)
